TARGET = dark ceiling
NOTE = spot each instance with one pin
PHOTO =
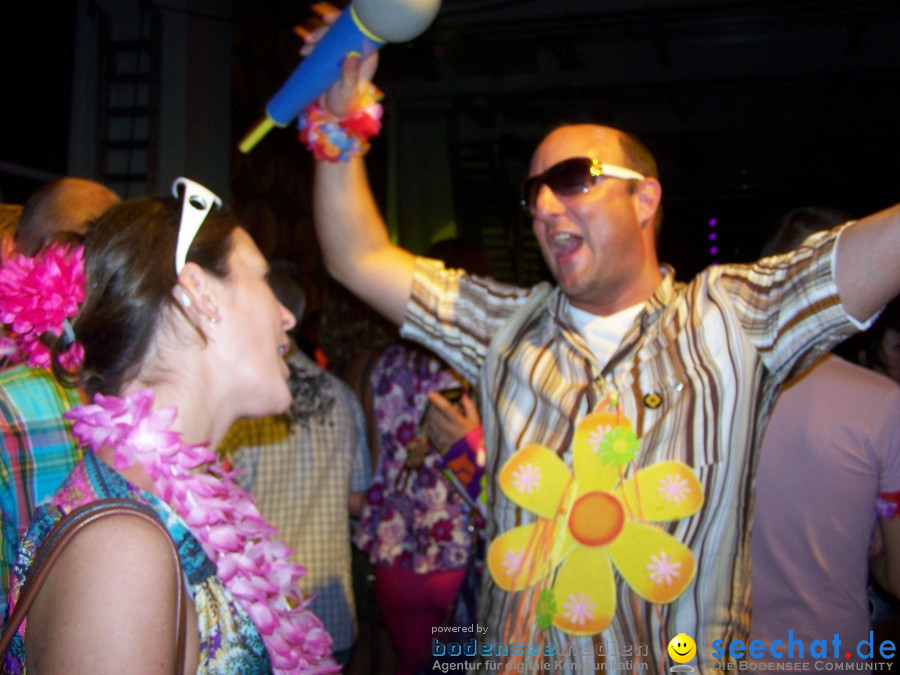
(751, 107)
(660, 64)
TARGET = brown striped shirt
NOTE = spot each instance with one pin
(715, 351)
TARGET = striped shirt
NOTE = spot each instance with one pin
(37, 452)
(300, 468)
(712, 353)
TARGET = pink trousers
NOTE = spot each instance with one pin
(412, 604)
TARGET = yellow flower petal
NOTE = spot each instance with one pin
(585, 592)
(521, 557)
(655, 564)
(662, 492)
(536, 479)
(591, 471)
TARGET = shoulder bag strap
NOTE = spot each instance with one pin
(56, 541)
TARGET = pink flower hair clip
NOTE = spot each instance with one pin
(38, 296)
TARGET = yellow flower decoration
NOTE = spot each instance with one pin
(593, 521)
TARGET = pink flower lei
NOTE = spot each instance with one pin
(38, 295)
(254, 565)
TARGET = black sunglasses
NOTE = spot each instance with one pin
(570, 177)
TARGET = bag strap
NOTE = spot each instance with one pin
(53, 546)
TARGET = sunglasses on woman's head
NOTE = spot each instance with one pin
(197, 201)
(570, 177)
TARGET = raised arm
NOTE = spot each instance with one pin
(868, 263)
(354, 239)
(352, 234)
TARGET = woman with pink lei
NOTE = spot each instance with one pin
(181, 336)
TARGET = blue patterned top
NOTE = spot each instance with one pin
(229, 642)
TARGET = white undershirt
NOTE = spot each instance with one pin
(603, 334)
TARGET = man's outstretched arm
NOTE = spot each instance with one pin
(868, 263)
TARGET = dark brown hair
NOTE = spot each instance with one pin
(130, 270)
(793, 227)
(867, 348)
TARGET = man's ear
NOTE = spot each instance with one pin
(647, 199)
(196, 294)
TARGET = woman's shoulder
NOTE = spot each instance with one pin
(119, 577)
(119, 543)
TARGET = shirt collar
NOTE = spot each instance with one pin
(661, 297)
(558, 305)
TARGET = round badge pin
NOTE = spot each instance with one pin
(652, 400)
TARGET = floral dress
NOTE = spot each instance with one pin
(413, 518)
(229, 642)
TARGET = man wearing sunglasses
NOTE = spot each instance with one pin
(691, 369)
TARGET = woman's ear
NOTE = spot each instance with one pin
(197, 294)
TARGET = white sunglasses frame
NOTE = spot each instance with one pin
(196, 203)
(597, 169)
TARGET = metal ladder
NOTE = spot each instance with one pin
(128, 100)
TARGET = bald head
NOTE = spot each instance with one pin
(619, 146)
(63, 205)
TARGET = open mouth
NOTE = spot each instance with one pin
(564, 244)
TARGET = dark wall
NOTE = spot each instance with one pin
(36, 42)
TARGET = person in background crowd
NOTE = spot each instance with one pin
(63, 205)
(419, 531)
(879, 347)
(36, 449)
(831, 448)
(9, 217)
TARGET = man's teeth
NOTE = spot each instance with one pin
(562, 238)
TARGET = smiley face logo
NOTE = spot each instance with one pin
(682, 648)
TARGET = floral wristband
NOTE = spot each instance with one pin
(337, 140)
(887, 505)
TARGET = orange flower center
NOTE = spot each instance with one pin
(596, 519)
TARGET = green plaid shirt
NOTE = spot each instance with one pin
(37, 452)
